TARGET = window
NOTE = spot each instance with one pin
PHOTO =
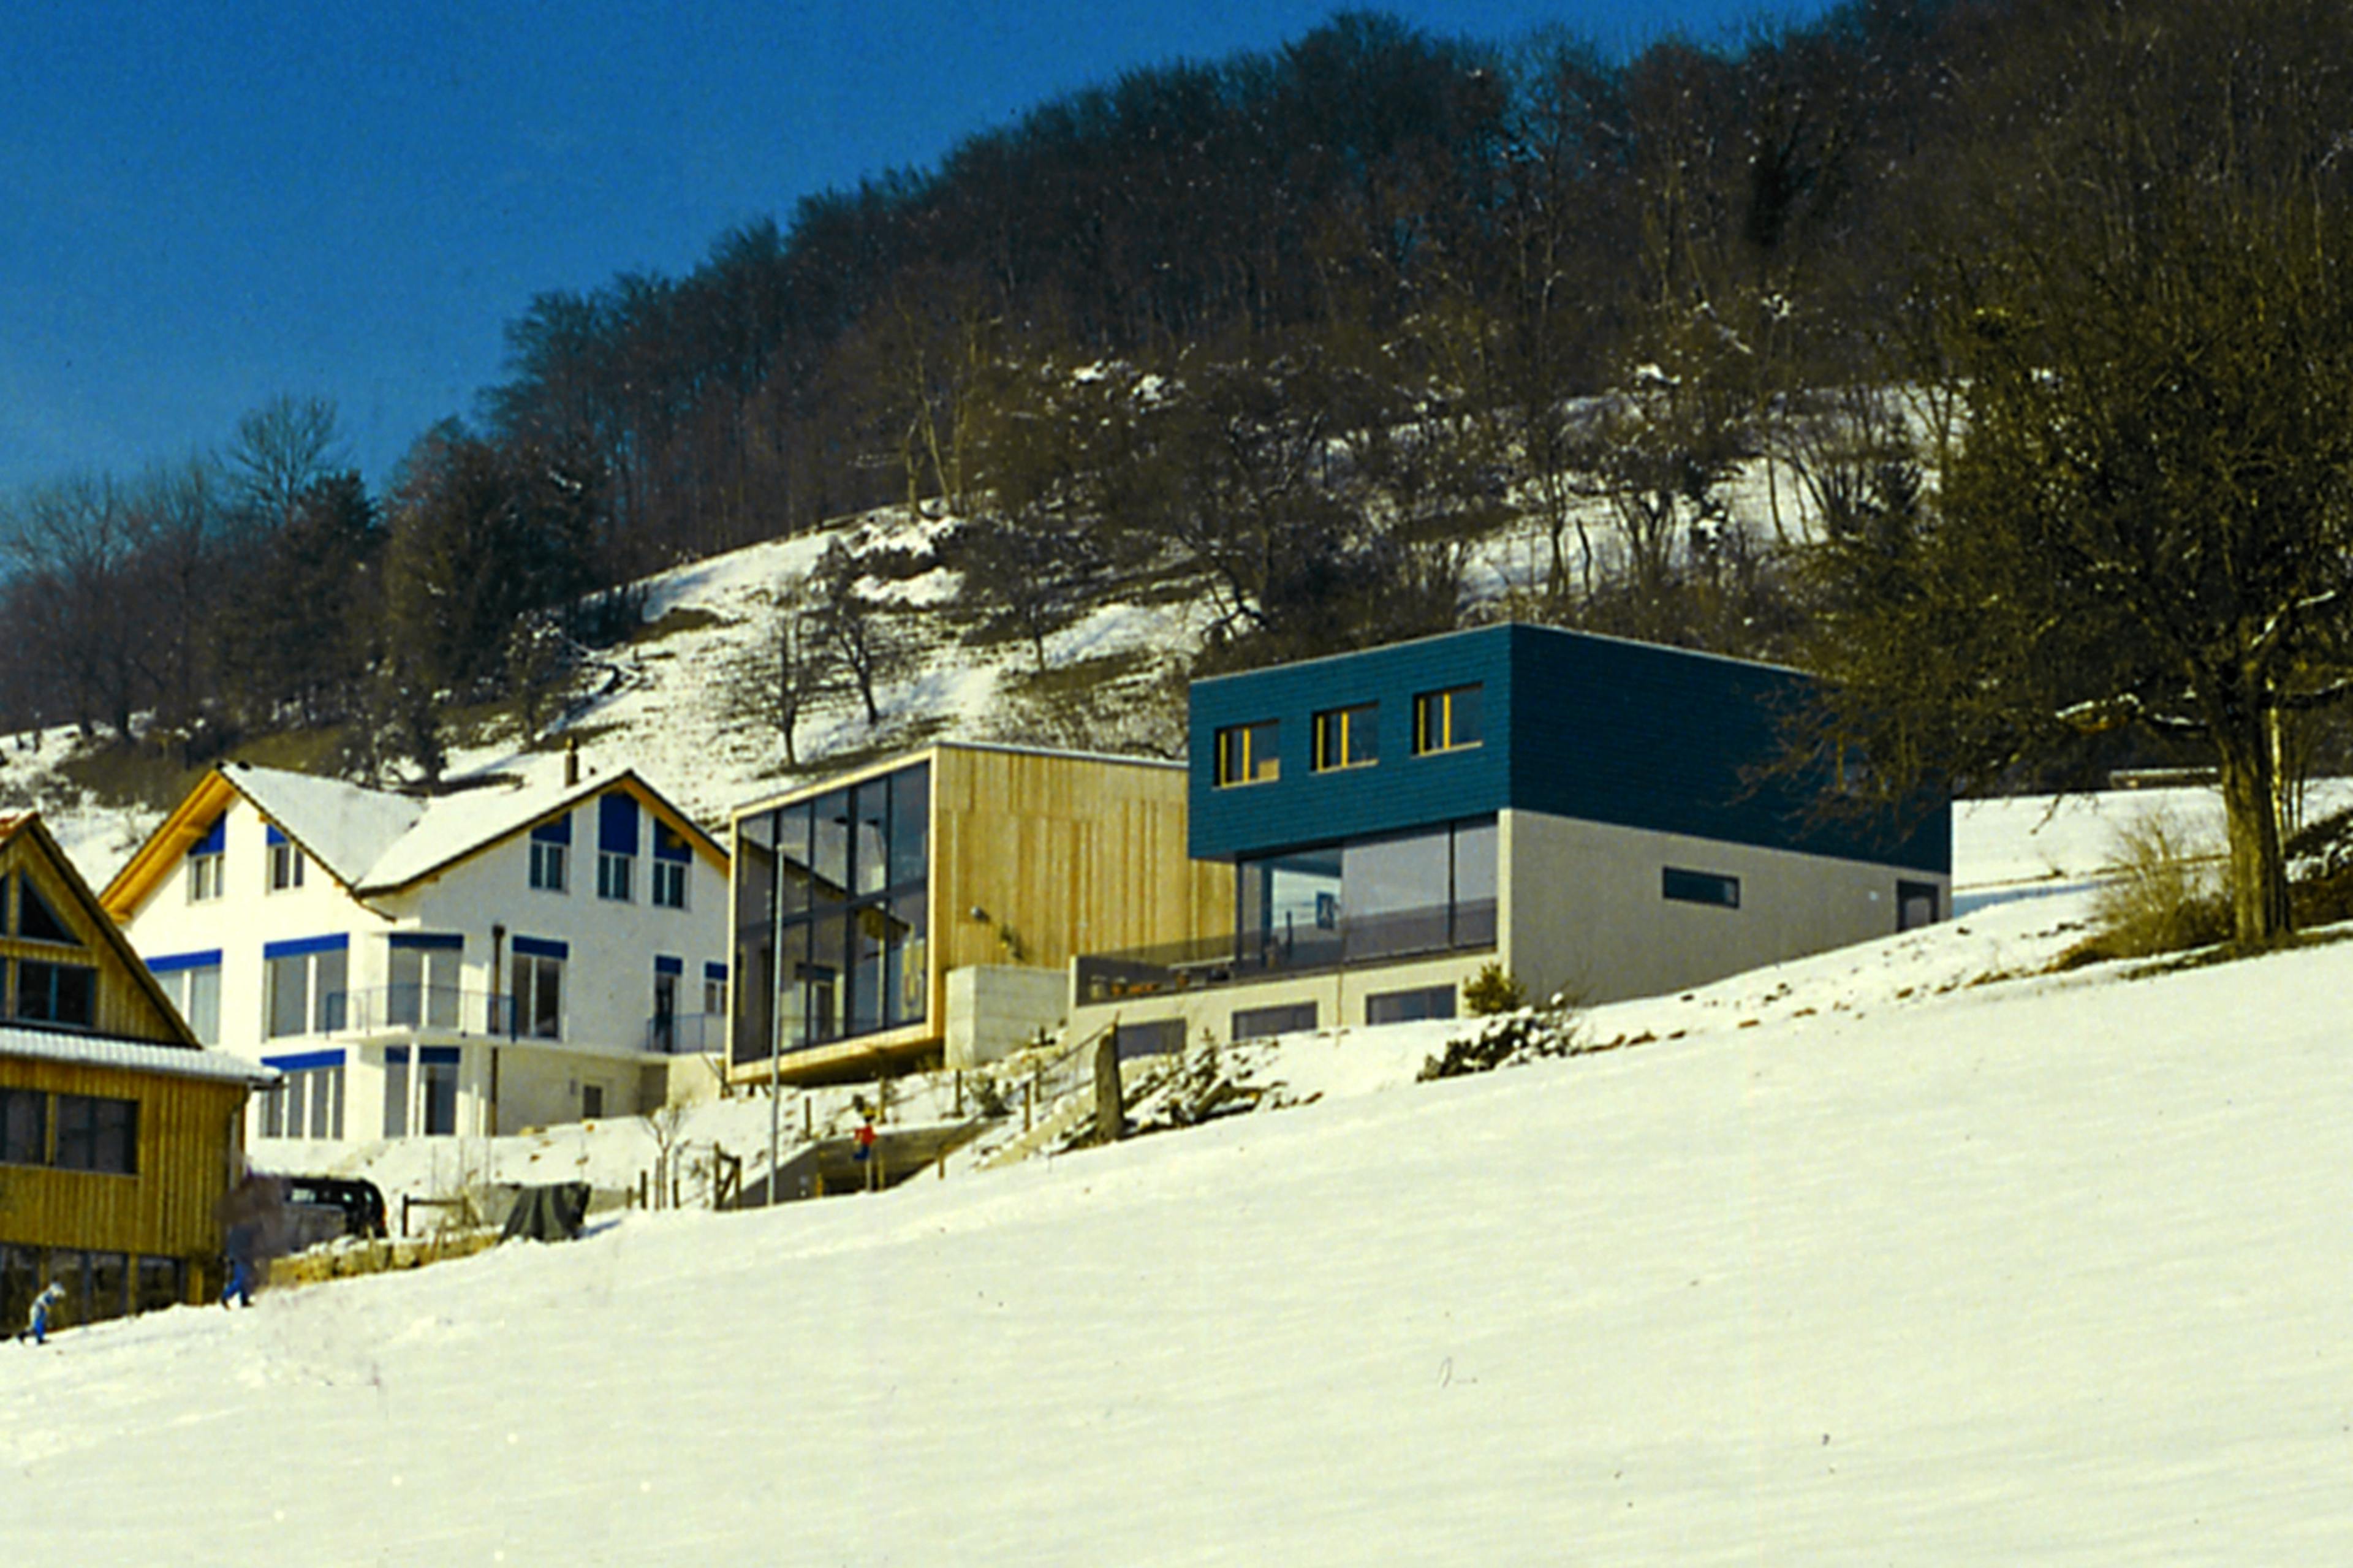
(592, 1101)
(303, 986)
(162, 1283)
(832, 915)
(24, 1127)
(35, 922)
(1410, 1006)
(57, 993)
(396, 1091)
(1701, 887)
(665, 1025)
(613, 876)
(1915, 905)
(308, 1100)
(1347, 737)
(1257, 1022)
(616, 846)
(436, 1067)
(192, 979)
(714, 990)
(537, 996)
(1161, 1038)
(1246, 754)
(285, 863)
(98, 1135)
(423, 968)
(551, 849)
(1448, 721)
(672, 856)
(206, 856)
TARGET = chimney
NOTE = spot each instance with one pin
(571, 761)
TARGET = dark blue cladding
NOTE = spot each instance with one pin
(1574, 725)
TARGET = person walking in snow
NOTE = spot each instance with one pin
(45, 1305)
(251, 1213)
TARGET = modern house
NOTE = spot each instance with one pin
(926, 909)
(119, 1133)
(474, 963)
(1596, 817)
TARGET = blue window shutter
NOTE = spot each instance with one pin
(671, 845)
(558, 831)
(542, 947)
(269, 832)
(308, 944)
(714, 970)
(437, 1056)
(432, 938)
(616, 825)
(667, 966)
(215, 838)
(305, 1061)
(171, 962)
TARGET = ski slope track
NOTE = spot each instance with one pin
(1889, 1256)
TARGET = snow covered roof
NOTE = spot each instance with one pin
(343, 827)
(136, 1056)
(454, 826)
(373, 841)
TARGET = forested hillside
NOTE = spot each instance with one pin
(1292, 332)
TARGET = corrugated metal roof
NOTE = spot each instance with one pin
(135, 1056)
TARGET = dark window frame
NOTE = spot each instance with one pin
(1715, 889)
(1439, 723)
(1241, 759)
(97, 1135)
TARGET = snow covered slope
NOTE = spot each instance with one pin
(1872, 1258)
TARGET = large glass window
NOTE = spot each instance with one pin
(193, 983)
(35, 921)
(1367, 899)
(832, 912)
(423, 992)
(396, 1091)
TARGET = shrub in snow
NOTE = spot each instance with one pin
(1504, 1041)
(1492, 990)
(2160, 896)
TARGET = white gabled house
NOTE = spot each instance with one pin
(469, 964)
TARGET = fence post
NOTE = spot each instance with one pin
(1110, 1106)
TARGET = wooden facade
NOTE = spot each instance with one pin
(183, 1143)
(1033, 858)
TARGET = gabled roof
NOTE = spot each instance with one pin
(375, 841)
(27, 825)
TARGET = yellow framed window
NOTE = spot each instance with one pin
(1347, 737)
(1247, 755)
(1449, 721)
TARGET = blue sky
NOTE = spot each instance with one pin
(203, 205)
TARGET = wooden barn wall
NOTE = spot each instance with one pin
(1066, 856)
(165, 1210)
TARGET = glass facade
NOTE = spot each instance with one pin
(1381, 896)
(832, 915)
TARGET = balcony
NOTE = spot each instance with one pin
(1389, 937)
(687, 1034)
(378, 1010)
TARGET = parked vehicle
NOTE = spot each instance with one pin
(327, 1208)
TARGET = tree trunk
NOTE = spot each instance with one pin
(2260, 914)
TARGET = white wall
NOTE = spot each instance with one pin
(993, 1010)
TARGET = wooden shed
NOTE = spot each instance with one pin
(119, 1133)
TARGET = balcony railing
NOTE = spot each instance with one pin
(375, 1010)
(1384, 937)
(687, 1034)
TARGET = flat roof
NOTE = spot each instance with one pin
(901, 759)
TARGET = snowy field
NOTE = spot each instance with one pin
(1900, 1254)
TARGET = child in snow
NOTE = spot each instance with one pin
(36, 1328)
